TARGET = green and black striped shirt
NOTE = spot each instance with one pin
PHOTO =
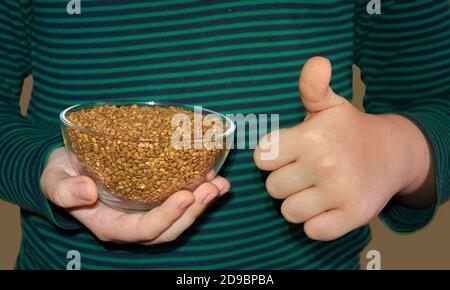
(230, 56)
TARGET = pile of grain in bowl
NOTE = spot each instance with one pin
(128, 149)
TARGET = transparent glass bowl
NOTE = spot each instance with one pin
(137, 174)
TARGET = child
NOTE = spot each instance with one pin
(335, 171)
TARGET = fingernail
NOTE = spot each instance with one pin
(223, 191)
(82, 192)
(209, 198)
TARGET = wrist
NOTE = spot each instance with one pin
(415, 162)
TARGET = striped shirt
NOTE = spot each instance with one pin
(229, 56)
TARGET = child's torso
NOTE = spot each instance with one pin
(230, 56)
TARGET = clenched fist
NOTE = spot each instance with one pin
(340, 167)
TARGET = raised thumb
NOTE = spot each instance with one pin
(314, 86)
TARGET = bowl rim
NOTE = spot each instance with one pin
(121, 102)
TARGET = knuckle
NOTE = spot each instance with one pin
(326, 164)
(316, 233)
(257, 158)
(44, 176)
(111, 232)
(312, 138)
(167, 238)
(57, 194)
(145, 232)
(190, 199)
(363, 211)
(289, 213)
(151, 235)
(266, 145)
(266, 141)
(271, 186)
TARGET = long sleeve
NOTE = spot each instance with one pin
(404, 56)
(25, 142)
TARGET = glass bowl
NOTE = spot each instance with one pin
(138, 174)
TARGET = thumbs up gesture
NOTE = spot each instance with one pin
(339, 168)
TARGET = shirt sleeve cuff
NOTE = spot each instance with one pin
(403, 219)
